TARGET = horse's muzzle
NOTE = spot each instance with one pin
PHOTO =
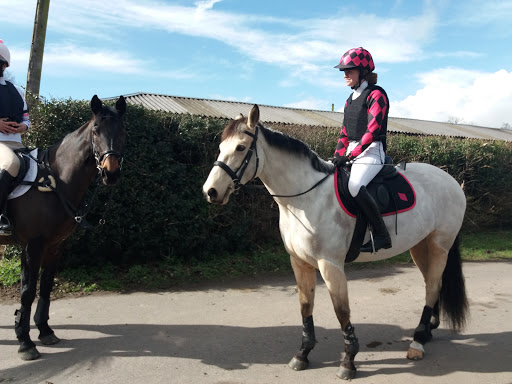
(110, 178)
(212, 196)
(110, 169)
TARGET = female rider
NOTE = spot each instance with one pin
(14, 120)
(362, 139)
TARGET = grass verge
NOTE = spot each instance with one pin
(169, 273)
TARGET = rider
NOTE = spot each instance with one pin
(362, 139)
(14, 120)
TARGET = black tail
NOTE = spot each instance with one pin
(452, 298)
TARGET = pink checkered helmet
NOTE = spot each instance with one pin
(5, 55)
(356, 58)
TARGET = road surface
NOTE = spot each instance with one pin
(246, 331)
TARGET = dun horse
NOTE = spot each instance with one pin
(316, 232)
(43, 220)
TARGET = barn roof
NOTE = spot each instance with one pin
(308, 117)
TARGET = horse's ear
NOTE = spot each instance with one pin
(239, 117)
(96, 105)
(254, 117)
(121, 105)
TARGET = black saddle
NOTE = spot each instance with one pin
(391, 191)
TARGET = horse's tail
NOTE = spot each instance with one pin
(452, 298)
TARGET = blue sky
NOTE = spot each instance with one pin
(438, 60)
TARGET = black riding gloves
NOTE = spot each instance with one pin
(340, 161)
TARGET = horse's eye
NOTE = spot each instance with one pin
(240, 147)
(95, 130)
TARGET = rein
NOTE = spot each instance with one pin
(72, 211)
(310, 189)
(245, 162)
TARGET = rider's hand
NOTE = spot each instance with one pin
(7, 126)
(340, 161)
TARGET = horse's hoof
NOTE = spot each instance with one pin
(414, 354)
(29, 354)
(416, 351)
(50, 339)
(346, 374)
(298, 365)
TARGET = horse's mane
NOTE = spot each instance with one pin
(284, 142)
(293, 145)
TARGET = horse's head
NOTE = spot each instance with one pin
(238, 144)
(108, 138)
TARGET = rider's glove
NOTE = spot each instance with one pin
(340, 161)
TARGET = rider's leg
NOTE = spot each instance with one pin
(381, 238)
(9, 168)
(364, 169)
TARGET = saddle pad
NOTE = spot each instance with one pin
(401, 194)
(29, 176)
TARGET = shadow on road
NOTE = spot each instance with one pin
(237, 348)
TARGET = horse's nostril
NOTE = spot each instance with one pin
(212, 193)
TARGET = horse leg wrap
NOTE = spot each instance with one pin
(422, 333)
(351, 348)
(22, 327)
(308, 339)
(41, 317)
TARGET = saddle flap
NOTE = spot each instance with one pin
(28, 172)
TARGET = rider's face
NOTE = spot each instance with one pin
(351, 76)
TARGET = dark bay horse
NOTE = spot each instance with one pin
(43, 220)
(316, 232)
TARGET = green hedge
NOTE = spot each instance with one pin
(157, 210)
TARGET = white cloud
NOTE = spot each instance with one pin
(472, 97)
(310, 103)
(205, 5)
(216, 96)
(305, 41)
(307, 47)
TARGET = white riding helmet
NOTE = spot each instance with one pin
(5, 55)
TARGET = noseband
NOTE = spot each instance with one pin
(237, 175)
(103, 155)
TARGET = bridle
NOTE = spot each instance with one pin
(100, 157)
(237, 175)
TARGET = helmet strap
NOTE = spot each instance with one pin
(360, 79)
(2, 63)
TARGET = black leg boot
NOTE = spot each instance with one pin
(381, 238)
(6, 181)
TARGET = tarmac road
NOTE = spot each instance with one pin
(247, 331)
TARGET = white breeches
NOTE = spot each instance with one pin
(8, 159)
(366, 166)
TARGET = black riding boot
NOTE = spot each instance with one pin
(381, 238)
(6, 181)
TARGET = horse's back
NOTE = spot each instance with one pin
(440, 201)
(431, 182)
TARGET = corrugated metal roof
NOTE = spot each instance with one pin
(284, 115)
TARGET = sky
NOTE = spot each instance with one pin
(438, 60)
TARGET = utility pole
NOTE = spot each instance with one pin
(35, 64)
